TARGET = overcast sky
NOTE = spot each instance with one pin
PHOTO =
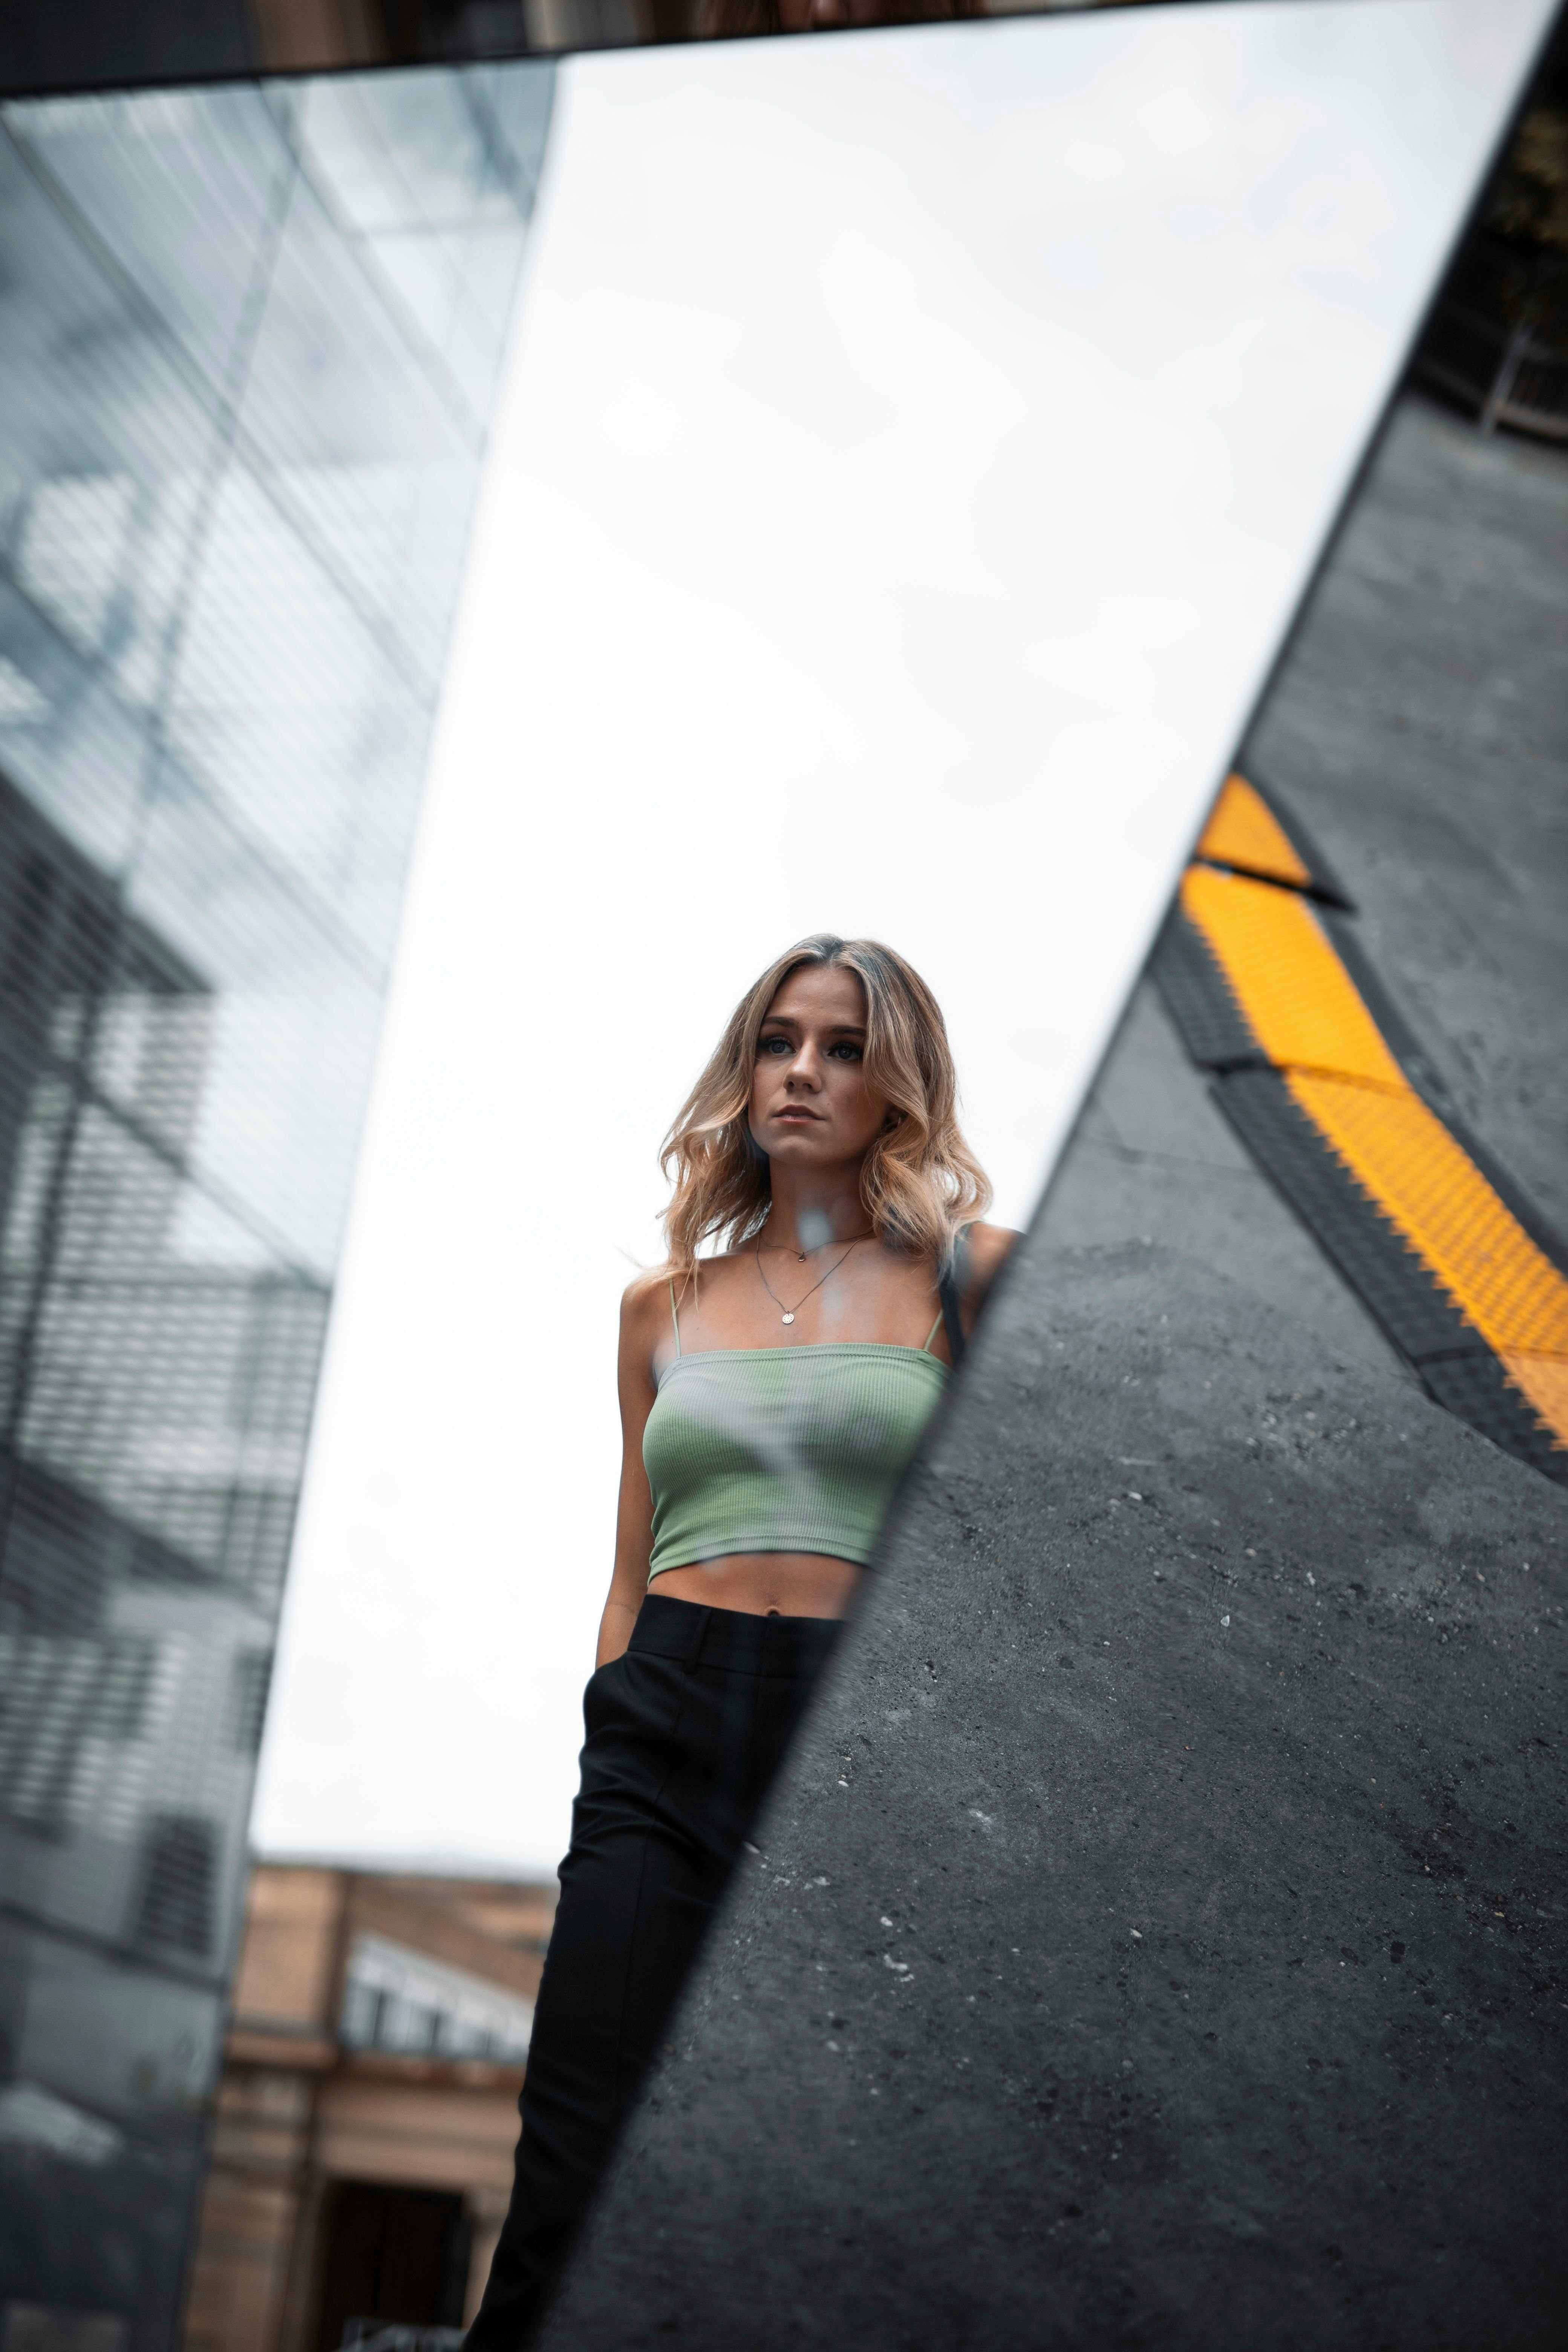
(914, 448)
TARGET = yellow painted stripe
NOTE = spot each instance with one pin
(1244, 831)
(1544, 1381)
(1312, 1023)
(1298, 997)
(1402, 1153)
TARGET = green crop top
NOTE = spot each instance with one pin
(783, 1449)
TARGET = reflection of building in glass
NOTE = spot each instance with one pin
(250, 341)
(395, 1998)
(368, 2107)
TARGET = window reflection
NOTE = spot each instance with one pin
(249, 341)
(397, 1998)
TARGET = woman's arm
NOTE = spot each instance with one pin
(633, 1518)
(987, 1249)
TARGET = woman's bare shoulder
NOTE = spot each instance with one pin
(989, 1246)
(645, 1298)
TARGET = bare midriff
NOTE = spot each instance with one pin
(765, 1583)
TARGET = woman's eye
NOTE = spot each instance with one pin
(774, 1046)
(846, 1052)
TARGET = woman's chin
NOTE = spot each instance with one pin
(813, 1144)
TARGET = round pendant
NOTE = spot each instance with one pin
(789, 1319)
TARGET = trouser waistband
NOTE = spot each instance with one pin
(731, 1638)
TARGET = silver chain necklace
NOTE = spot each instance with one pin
(789, 1313)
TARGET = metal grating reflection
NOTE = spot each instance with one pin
(250, 342)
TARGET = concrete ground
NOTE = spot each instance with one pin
(1158, 1937)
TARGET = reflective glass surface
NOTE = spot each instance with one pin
(249, 342)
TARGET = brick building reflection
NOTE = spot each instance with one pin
(368, 2107)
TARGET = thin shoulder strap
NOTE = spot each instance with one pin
(675, 1314)
(947, 1290)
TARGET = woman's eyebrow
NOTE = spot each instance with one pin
(836, 1029)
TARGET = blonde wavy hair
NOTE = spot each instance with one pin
(921, 1183)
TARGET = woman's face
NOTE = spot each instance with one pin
(811, 1105)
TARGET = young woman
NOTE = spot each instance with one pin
(770, 1397)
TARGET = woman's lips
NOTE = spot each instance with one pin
(798, 1118)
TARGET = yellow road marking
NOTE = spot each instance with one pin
(1298, 1000)
(1544, 1380)
(1243, 830)
(1311, 1022)
(1402, 1154)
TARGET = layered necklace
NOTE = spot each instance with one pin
(789, 1313)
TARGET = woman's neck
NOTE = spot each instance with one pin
(814, 1213)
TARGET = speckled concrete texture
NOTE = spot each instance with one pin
(1158, 1939)
(1154, 1158)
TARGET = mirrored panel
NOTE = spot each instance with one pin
(916, 449)
(912, 451)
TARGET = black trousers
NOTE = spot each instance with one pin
(684, 1735)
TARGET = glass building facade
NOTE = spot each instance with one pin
(250, 338)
